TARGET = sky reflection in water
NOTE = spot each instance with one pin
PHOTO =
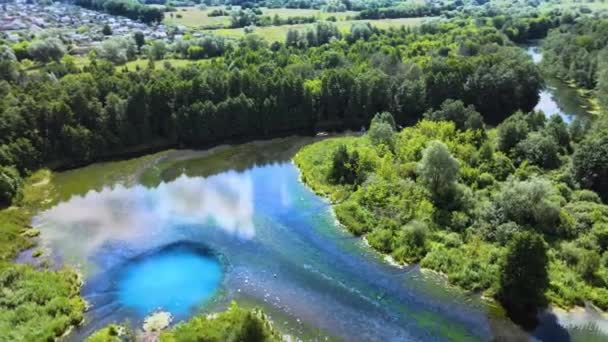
(128, 214)
(278, 246)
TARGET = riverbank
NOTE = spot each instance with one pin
(468, 261)
(45, 189)
(235, 323)
(264, 156)
(37, 303)
(363, 289)
(560, 96)
(589, 95)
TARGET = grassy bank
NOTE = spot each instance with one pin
(234, 324)
(36, 303)
(590, 96)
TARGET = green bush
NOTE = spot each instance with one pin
(485, 180)
(452, 240)
(540, 150)
(381, 239)
(10, 182)
(505, 232)
(110, 333)
(345, 166)
(438, 169)
(235, 324)
(530, 204)
(570, 253)
(502, 166)
(588, 264)
(586, 196)
(355, 218)
(38, 305)
(411, 242)
(600, 232)
(382, 129)
(590, 163)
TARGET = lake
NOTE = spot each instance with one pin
(189, 231)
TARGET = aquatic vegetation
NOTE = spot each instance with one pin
(38, 304)
(14, 224)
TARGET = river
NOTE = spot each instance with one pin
(190, 231)
(277, 243)
(557, 98)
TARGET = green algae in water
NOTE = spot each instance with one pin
(97, 176)
(452, 331)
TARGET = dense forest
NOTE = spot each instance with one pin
(578, 52)
(62, 115)
(132, 9)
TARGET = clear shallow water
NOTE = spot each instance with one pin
(278, 245)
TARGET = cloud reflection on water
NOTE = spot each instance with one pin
(80, 226)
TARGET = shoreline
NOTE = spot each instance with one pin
(387, 258)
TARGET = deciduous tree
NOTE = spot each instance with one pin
(524, 278)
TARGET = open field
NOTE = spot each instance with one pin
(297, 12)
(278, 33)
(594, 5)
(82, 61)
(143, 63)
(196, 17)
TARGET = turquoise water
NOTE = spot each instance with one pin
(176, 279)
(189, 232)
